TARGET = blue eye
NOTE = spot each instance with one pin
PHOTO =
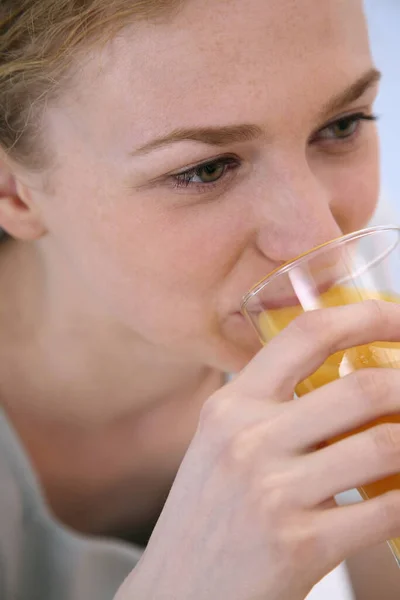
(206, 174)
(344, 128)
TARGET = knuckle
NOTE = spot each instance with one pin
(214, 416)
(307, 542)
(298, 542)
(242, 447)
(371, 385)
(389, 511)
(255, 439)
(376, 311)
(386, 440)
(278, 492)
(243, 455)
(310, 324)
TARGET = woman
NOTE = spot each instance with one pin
(158, 158)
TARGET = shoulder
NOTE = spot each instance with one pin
(12, 511)
(39, 557)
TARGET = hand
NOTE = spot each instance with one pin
(250, 515)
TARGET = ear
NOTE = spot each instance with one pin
(19, 216)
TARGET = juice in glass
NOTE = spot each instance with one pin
(374, 355)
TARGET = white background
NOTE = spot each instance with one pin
(384, 22)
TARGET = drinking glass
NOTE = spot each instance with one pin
(360, 266)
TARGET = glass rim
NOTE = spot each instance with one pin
(302, 258)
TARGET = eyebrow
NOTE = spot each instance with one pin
(353, 93)
(230, 134)
(214, 136)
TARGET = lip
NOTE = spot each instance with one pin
(284, 302)
(238, 315)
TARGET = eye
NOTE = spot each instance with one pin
(343, 128)
(206, 174)
(210, 173)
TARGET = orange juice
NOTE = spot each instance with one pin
(373, 355)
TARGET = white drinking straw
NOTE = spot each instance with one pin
(309, 299)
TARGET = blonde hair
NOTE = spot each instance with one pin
(39, 40)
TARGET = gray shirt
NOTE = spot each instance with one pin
(40, 559)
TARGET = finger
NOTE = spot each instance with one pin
(310, 339)
(360, 459)
(346, 530)
(339, 407)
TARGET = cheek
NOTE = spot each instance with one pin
(190, 248)
(172, 265)
(157, 269)
(355, 189)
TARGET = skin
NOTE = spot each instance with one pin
(250, 515)
(130, 286)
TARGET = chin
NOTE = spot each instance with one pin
(238, 343)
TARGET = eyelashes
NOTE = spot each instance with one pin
(207, 174)
(343, 128)
(214, 173)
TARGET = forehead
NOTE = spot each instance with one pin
(222, 60)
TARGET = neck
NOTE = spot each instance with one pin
(89, 392)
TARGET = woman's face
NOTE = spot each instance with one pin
(195, 156)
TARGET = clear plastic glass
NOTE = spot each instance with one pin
(353, 268)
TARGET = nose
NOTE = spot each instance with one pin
(294, 213)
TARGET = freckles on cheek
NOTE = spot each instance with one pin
(357, 201)
(194, 257)
(195, 243)
(141, 239)
(353, 212)
(353, 183)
